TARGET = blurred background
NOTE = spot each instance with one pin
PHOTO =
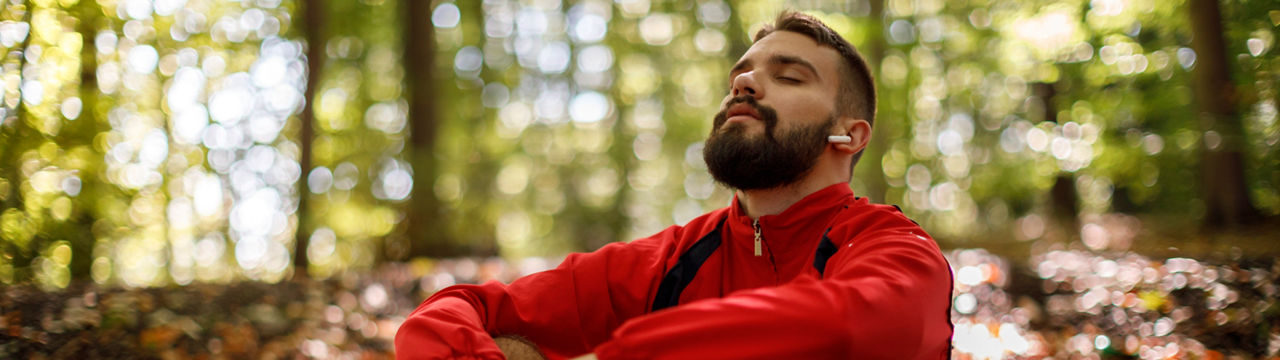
(289, 178)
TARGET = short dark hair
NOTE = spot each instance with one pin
(857, 94)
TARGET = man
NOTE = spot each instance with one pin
(796, 267)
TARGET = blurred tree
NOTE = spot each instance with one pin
(152, 142)
(1223, 182)
(871, 174)
(313, 29)
(17, 230)
(45, 155)
(360, 179)
(1064, 211)
(424, 216)
(90, 123)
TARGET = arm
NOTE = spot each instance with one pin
(518, 348)
(564, 310)
(885, 296)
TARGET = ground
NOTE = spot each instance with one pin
(1066, 300)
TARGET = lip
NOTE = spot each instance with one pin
(741, 112)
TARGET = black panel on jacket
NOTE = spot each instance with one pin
(825, 250)
(685, 269)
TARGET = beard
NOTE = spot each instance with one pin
(741, 162)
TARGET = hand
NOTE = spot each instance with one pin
(589, 356)
(518, 348)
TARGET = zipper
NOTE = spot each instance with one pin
(755, 224)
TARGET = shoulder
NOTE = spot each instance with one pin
(884, 232)
(864, 227)
(861, 217)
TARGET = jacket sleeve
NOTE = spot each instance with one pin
(566, 310)
(886, 295)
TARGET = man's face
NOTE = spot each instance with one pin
(773, 124)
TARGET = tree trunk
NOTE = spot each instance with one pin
(89, 14)
(313, 22)
(1064, 210)
(739, 40)
(426, 236)
(872, 176)
(1223, 188)
(17, 136)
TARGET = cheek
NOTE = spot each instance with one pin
(807, 107)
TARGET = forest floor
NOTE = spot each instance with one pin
(1152, 293)
(1154, 236)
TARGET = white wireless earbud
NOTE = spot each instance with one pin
(839, 139)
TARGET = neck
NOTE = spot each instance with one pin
(773, 201)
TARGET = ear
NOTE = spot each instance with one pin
(858, 130)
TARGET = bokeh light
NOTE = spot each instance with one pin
(154, 143)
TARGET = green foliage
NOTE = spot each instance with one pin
(155, 144)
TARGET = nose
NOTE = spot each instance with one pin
(745, 84)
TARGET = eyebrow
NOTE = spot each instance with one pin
(779, 60)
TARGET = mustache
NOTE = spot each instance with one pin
(767, 114)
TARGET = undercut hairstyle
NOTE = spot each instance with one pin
(857, 94)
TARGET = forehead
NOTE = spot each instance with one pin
(787, 43)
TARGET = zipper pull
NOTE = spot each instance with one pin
(755, 224)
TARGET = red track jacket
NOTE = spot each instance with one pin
(837, 278)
